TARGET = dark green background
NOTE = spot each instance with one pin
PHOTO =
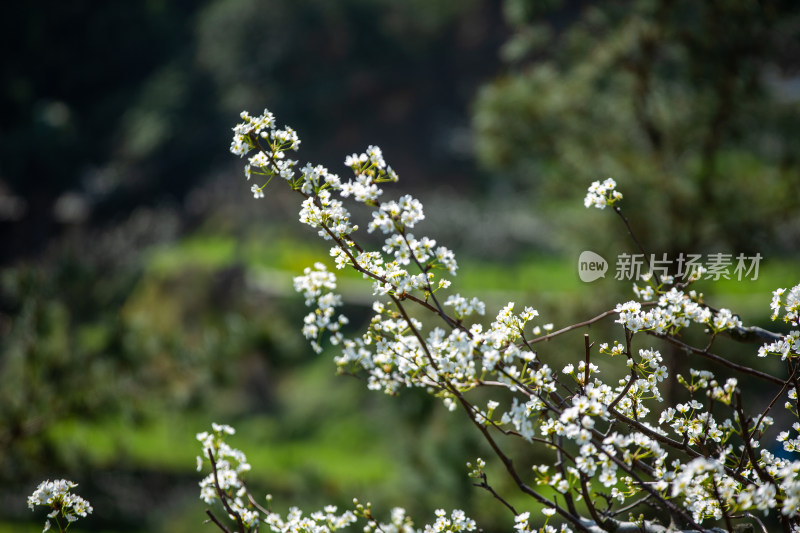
(145, 294)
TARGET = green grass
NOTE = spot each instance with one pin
(751, 298)
(197, 251)
(165, 444)
(285, 253)
(343, 452)
(36, 527)
(338, 445)
(21, 528)
(530, 273)
(339, 450)
(548, 283)
(321, 429)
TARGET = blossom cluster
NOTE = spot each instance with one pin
(225, 483)
(324, 521)
(65, 506)
(324, 211)
(260, 133)
(521, 522)
(703, 453)
(613, 445)
(674, 311)
(393, 352)
(789, 301)
(317, 286)
(602, 194)
(457, 521)
(788, 345)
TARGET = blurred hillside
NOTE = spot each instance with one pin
(107, 107)
(692, 107)
(145, 294)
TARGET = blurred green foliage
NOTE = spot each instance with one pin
(108, 383)
(691, 106)
(170, 306)
(129, 105)
(198, 336)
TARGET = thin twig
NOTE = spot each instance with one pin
(585, 323)
(630, 506)
(512, 471)
(588, 501)
(718, 359)
(718, 496)
(254, 503)
(633, 236)
(446, 318)
(484, 484)
(746, 436)
(222, 495)
(587, 348)
(214, 519)
(772, 403)
(754, 517)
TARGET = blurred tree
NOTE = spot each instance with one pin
(398, 73)
(70, 90)
(126, 104)
(697, 103)
(79, 344)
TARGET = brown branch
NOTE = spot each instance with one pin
(587, 347)
(585, 323)
(509, 466)
(633, 236)
(222, 495)
(589, 503)
(688, 450)
(719, 359)
(484, 484)
(560, 453)
(718, 496)
(214, 519)
(441, 313)
(746, 435)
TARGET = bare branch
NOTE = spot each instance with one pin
(216, 521)
(719, 359)
(222, 496)
(484, 484)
